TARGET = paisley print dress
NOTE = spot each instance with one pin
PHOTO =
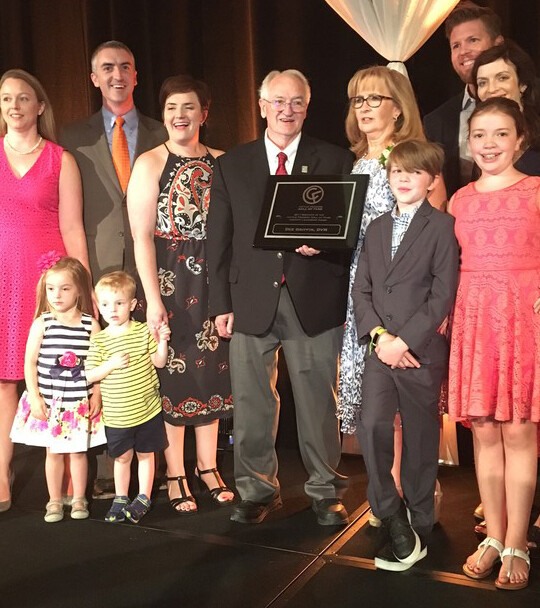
(379, 200)
(195, 383)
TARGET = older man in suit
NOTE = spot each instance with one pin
(470, 29)
(117, 129)
(105, 146)
(267, 300)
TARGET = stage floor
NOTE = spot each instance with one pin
(208, 561)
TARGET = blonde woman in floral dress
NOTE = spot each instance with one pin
(168, 199)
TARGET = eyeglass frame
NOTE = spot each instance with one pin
(283, 104)
(353, 100)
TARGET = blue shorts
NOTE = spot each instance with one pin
(146, 437)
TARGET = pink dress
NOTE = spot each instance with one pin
(29, 231)
(495, 348)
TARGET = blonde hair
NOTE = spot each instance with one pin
(416, 155)
(46, 125)
(117, 281)
(80, 278)
(407, 126)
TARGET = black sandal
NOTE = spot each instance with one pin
(175, 502)
(215, 493)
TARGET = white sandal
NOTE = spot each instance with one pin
(79, 508)
(54, 511)
(513, 552)
(484, 545)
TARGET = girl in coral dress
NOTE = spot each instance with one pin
(494, 381)
(57, 410)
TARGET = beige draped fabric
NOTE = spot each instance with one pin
(396, 29)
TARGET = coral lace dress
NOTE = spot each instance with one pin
(495, 351)
(29, 234)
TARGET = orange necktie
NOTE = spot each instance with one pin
(120, 153)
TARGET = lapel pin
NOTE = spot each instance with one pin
(305, 168)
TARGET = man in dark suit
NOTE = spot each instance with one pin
(470, 29)
(267, 300)
(106, 224)
(110, 245)
(404, 288)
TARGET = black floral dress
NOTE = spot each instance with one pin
(195, 383)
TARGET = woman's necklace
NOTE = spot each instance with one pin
(34, 147)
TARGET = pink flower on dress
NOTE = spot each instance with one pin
(68, 417)
(43, 425)
(56, 430)
(48, 260)
(69, 359)
(82, 410)
(25, 405)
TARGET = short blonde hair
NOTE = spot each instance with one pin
(45, 121)
(407, 126)
(117, 281)
(416, 155)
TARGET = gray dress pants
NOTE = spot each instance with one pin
(312, 364)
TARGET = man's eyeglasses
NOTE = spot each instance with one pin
(297, 105)
(373, 101)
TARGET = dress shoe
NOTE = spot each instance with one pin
(249, 512)
(404, 541)
(330, 512)
(386, 560)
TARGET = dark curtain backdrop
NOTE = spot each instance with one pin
(231, 44)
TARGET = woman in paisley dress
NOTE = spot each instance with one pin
(168, 198)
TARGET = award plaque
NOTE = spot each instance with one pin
(321, 211)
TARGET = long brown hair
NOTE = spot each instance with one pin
(407, 126)
(45, 121)
(80, 277)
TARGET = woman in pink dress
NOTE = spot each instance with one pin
(40, 220)
(494, 381)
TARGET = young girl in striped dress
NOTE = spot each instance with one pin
(58, 410)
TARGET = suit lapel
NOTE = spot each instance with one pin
(416, 226)
(100, 152)
(257, 174)
(306, 160)
(386, 239)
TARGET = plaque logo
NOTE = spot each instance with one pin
(313, 195)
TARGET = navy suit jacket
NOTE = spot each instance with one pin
(442, 126)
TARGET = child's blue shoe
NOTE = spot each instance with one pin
(116, 513)
(138, 508)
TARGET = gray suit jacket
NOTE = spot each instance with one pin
(411, 294)
(110, 245)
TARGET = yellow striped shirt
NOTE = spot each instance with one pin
(130, 396)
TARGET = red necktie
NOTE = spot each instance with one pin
(120, 153)
(282, 159)
(281, 170)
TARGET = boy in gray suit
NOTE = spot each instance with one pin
(404, 288)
